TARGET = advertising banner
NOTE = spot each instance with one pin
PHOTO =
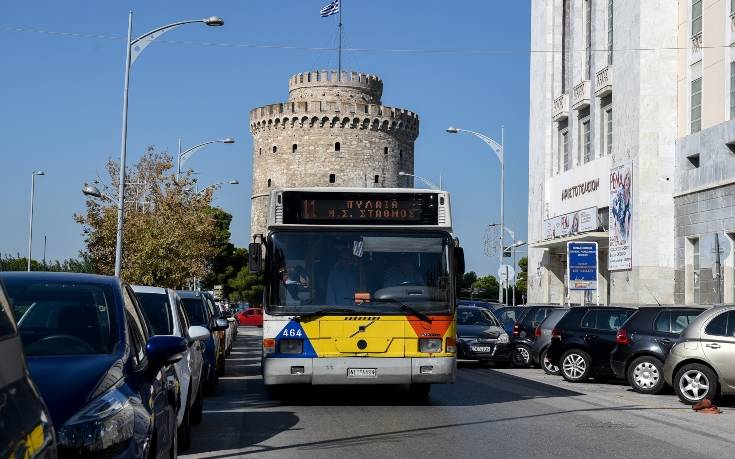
(621, 217)
(580, 221)
(582, 265)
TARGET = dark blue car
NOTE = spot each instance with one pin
(25, 423)
(106, 381)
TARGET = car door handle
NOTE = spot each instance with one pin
(590, 336)
(713, 346)
(665, 341)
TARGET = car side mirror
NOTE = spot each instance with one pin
(198, 333)
(255, 257)
(164, 350)
(459, 261)
(221, 325)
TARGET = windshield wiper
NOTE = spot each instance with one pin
(407, 308)
(325, 311)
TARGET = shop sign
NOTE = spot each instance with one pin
(580, 221)
(582, 265)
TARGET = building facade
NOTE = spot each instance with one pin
(704, 195)
(333, 131)
(603, 125)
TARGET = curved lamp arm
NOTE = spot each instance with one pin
(431, 184)
(189, 152)
(495, 146)
(140, 43)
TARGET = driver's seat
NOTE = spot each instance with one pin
(81, 321)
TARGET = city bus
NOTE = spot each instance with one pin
(359, 287)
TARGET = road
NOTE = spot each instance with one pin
(487, 412)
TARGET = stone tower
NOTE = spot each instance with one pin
(332, 132)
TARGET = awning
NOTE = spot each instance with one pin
(601, 237)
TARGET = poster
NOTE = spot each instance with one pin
(582, 265)
(621, 217)
(580, 221)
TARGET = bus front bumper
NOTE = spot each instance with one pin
(359, 370)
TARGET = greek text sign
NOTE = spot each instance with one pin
(580, 221)
(582, 265)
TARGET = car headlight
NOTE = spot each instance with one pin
(503, 338)
(106, 421)
(291, 346)
(430, 346)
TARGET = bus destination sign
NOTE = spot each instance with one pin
(345, 208)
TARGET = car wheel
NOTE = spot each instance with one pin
(419, 392)
(576, 365)
(695, 382)
(197, 407)
(521, 356)
(184, 430)
(646, 375)
(549, 368)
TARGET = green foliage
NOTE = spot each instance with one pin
(488, 286)
(522, 277)
(71, 265)
(247, 286)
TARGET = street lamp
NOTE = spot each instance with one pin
(30, 219)
(214, 185)
(499, 150)
(183, 156)
(431, 184)
(133, 49)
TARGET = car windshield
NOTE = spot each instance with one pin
(195, 310)
(473, 316)
(158, 312)
(366, 272)
(63, 318)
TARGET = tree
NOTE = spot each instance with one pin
(170, 233)
(488, 286)
(522, 278)
(247, 286)
(18, 263)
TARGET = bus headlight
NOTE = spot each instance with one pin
(430, 346)
(291, 346)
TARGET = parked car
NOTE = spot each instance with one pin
(223, 330)
(508, 316)
(199, 313)
(252, 316)
(643, 343)
(700, 365)
(487, 304)
(101, 373)
(523, 334)
(231, 333)
(25, 422)
(582, 341)
(166, 316)
(480, 336)
(543, 339)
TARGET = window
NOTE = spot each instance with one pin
(663, 322)
(564, 147)
(269, 183)
(589, 319)
(6, 324)
(609, 32)
(611, 319)
(695, 270)
(606, 126)
(275, 148)
(565, 44)
(158, 312)
(587, 40)
(376, 179)
(732, 88)
(294, 147)
(718, 325)
(696, 17)
(337, 146)
(260, 151)
(137, 342)
(385, 150)
(332, 178)
(195, 311)
(696, 113)
(681, 320)
(584, 140)
(693, 160)
(400, 155)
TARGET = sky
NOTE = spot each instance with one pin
(61, 84)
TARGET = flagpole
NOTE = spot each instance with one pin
(339, 53)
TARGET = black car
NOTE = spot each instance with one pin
(487, 304)
(643, 343)
(480, 336)
(524, 333)
(582, 341)
(25, 423)
(508, 316)
(543, 340)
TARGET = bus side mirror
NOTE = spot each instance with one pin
(459, 261)
(255, 258)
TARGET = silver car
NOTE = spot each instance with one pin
(166, 316)
(702, 362)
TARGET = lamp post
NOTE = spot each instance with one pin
(133, 49)
(512, 249)
(499, 150)
(214, 185)
(30, 219)
(431, 184)
(183, 156)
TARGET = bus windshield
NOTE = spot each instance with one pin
(371, 272)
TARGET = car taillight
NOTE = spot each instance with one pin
(537, 332)
(516, 329)
(556, 333)
(622, 337)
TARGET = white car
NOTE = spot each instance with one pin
(166, 316)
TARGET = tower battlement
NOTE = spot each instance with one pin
(332, 85)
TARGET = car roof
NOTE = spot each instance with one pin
(148, 289)
(61, 276)
(189, 294)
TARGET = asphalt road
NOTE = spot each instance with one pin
(486, 413)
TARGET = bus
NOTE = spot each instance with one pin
(359, 287)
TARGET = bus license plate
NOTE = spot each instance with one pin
(362, 373)
(481, 348)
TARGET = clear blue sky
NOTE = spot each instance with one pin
(61, 99)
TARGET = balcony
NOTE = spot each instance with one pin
(581, 95)
(560, 108)
(603, 82)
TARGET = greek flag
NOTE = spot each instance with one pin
(332, 8)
